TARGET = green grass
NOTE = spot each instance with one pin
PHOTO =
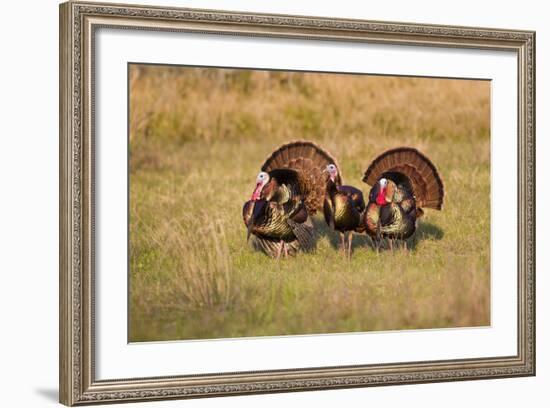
(198, 139)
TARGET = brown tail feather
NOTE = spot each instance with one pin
(310, 161)
(423, 175)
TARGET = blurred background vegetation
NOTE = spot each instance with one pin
(198, 137)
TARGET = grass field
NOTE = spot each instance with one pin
(197, 140)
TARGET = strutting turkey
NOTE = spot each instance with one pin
(403, 182)
(290, 188)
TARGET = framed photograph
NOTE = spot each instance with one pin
(258, 203)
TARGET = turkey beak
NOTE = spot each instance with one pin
(330, 175)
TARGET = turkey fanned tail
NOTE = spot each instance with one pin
(309, 161)
(406, 165)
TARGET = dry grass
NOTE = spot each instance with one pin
(198, 138)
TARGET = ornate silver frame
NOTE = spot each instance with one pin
(78, 22)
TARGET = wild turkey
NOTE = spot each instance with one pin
(289, 189)
(343, 208)
(403, 182)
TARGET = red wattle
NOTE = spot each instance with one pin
(257, 192)
(381, 197)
